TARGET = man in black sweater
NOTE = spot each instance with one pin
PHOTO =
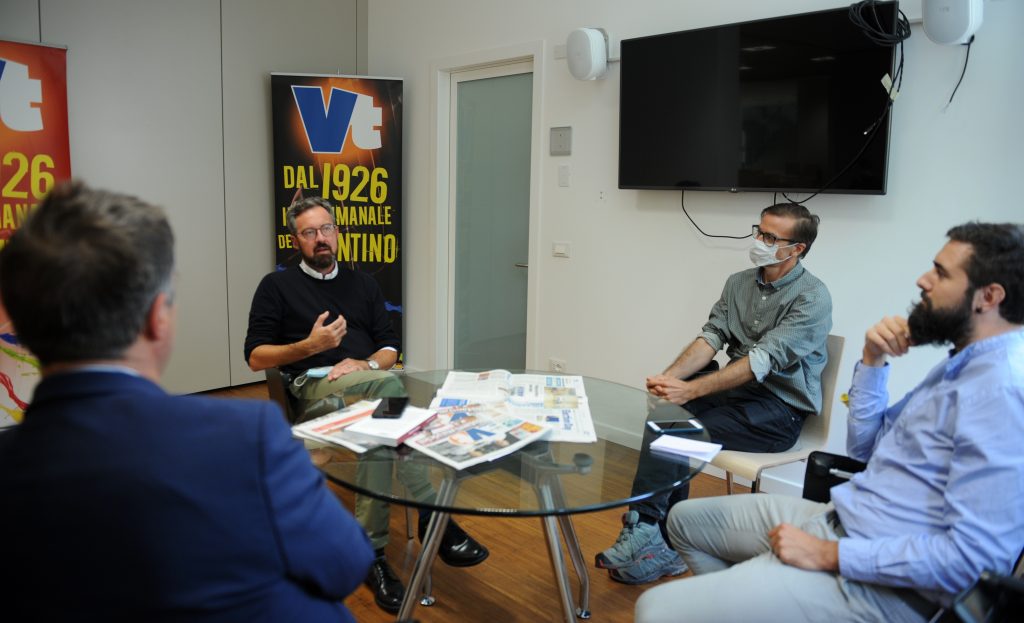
(322, 315)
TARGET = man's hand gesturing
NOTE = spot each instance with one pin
(324, 337)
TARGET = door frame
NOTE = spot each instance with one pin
(443, 72)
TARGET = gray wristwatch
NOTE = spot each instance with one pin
(373, 364)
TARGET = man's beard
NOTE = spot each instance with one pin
(940, 326)
(318, 261)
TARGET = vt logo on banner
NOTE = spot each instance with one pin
(34, 156)
(17, 94)
(340, 137)
(327, 125)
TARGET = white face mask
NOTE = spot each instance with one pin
(763, 255)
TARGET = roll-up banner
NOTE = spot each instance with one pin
(34, 155)
(340, 137)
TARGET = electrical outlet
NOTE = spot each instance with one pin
(556, 365)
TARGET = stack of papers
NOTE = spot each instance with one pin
(390, 431)
(700, 450)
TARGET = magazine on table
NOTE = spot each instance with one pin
(467, 435)
(389, 431)
(330, 428)
(556, 401)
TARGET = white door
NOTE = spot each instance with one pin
(489, 215)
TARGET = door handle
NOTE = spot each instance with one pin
(518, 265)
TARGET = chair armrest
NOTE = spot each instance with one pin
(826, 470)
(993, 597)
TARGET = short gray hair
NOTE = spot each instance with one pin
(301, 205)
(80, 275)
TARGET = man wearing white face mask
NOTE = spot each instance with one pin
(773, 320)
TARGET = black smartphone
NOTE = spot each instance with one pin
(391, 407)
(686, 427)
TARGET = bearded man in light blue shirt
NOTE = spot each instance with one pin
(941, 499)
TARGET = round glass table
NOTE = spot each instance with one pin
(546, 479)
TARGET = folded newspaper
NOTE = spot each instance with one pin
(466, 435)
(555, 401)
(330, 428)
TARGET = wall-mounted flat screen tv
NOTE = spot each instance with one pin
(779, 104)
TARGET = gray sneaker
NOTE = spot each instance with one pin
(636, 540)
(651, 566)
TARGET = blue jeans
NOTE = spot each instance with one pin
(748, 419)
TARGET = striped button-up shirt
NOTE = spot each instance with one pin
(782, 326)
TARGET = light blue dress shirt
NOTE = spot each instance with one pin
(942, 498)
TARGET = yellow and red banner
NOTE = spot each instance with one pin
(34, 155)
(340, 137)
(34, 151)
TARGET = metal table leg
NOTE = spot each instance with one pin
(572, 544)
(550, 525)
(431, 543)
(550, 494)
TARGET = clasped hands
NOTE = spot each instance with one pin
(671, 389)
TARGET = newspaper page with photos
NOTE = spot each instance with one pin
(556, 401)
(330, 428)
(463, 436)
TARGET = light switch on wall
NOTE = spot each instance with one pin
(561, 141)
(561, 249)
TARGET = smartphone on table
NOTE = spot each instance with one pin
(391, 407)
(686, 427)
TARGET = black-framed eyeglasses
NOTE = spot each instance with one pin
(327, 229)
(769, 239)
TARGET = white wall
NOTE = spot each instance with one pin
(641, 279)
(171, 101)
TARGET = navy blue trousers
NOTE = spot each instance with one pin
(748, 419)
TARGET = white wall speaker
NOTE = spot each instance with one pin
(587, 53)
(951, 22)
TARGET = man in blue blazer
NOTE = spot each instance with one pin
(121, 502)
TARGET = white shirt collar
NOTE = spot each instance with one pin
(317, 274)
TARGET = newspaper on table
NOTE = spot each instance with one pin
(555, 401)
(467, 435)
(330, 428)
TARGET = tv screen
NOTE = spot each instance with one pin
(780, 104)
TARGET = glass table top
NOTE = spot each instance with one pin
(584, 476)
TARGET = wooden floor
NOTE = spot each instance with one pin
(516, 583)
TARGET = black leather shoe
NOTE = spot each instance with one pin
(388, 590)
(457, 548)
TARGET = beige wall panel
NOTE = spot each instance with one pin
(144, 99)
(311, 36)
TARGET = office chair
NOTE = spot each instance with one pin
(813, 436)
(277, 388)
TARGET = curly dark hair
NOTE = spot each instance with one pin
(997, 256)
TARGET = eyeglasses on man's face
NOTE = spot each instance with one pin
(327, 229)
(768, 239)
